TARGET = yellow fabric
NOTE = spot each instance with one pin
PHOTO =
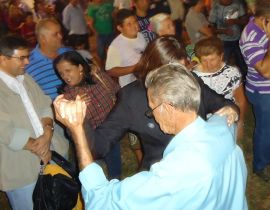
(56, 169)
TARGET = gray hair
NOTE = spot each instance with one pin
(174, 84)
(42, 26)
(156, 20)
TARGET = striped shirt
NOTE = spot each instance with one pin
(254, 45)
(41, 70)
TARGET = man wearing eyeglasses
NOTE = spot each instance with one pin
(202, 168)
(26, 125)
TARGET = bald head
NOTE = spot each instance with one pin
(44, 25)
(49, 35)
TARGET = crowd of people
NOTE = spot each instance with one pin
(176, 78)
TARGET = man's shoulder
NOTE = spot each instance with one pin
(133, 89)
(252, 34)
(64, 49)
(67, 8)
(117, 40)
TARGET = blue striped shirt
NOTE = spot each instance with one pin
(254, 45)
(41, 70)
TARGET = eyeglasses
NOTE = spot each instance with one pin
(150, 112)
(21, 58)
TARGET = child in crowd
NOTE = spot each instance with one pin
(219, 76)
(99, 92)
(126, 49)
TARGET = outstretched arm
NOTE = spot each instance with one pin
(72, 114)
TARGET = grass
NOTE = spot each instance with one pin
(258, 191)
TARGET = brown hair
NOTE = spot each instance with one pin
(262, 8)
(208, 46)
(163, 50)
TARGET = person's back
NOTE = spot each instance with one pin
(210, 173)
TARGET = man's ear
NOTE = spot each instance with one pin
(80, 69)
(2, 58)
(222, 56)
(119, 28)
(168, 107)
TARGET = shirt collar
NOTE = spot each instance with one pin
(184, 135)
(12, 82)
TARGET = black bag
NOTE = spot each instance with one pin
(56, 192)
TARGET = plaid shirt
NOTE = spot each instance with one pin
(101, 98)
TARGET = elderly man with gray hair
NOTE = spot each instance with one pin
(202, 167)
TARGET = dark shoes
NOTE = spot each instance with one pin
(263, 174)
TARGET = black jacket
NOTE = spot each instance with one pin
(129, 115)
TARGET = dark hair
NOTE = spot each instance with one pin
(9, 43)
(162, 50)
(192, 3)
(262, 8)
(208, 46)
(123, 14)
(74, 58)
(27, 14)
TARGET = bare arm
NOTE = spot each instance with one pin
(241, 101)
(207, 30)
(263, 66)
(90, 23)
(72, 114)
(121, 71)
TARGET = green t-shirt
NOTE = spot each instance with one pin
(102, 16)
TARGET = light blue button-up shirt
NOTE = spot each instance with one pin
(202, 168)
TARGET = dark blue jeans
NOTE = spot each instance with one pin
(232, 49)
(261, 138)
(113, 162)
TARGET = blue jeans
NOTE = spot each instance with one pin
(21, 198)
(261, 138)
(113, 162)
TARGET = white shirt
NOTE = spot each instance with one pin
(73, 19)
(124, 52)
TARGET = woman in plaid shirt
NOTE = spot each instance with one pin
(97, 89)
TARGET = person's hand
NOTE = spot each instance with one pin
(230, 113)
(230, 22)
(266, 26)
(85, 97)
(41, 145)
(228, 31)
(70, 113)
(59, 101)
(46, 157)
